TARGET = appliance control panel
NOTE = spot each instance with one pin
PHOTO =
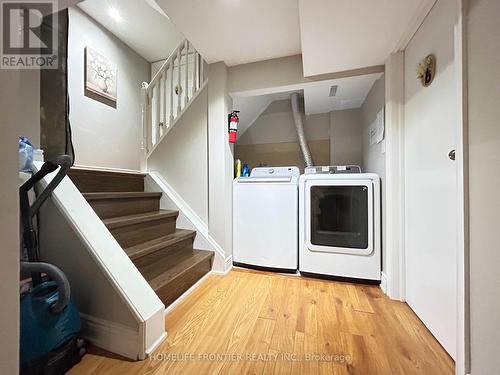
(333, 169)
(275, 172)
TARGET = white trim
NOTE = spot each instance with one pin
(394, 185)
(156, 344)
(462, 363)
(177, 118)
(110, 336)
(383, 282)
(156, 323)
(228, 266)
(105, 169)
(414, 24)
(186, 294)
(192, 216)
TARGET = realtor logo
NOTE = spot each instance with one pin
(29, 34)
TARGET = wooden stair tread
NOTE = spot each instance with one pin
(174, 265)
(121, 195)
(121, 221)
(148, 247)
(162, 253)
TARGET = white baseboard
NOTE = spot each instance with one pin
(110, 336)
(106, 169)
(198, 223)
(228, 266)
(383, 282)
(156, 344)
(229, 263)
(184, 295)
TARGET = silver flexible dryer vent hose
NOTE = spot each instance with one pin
(299, 125)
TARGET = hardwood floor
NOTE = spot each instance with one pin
(263, 323)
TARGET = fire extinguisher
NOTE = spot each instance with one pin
(233, 126)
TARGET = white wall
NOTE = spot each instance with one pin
(104, 136)
(220, 164)
(373, 156)
(182, 157)
(346, 146)
(484, 163)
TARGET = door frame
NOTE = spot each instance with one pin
(394, 275)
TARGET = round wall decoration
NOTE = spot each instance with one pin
(426, 70)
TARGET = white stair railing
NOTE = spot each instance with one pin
(169, 92)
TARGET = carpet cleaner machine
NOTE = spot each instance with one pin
(50, 322)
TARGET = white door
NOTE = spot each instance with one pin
(431, 125)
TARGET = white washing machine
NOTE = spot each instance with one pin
(265, 219)
(340, 225)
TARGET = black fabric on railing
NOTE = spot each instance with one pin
(55, 128)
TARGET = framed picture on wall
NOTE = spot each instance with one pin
(100, 77)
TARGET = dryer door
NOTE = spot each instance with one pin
(339, 216)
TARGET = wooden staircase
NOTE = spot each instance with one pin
(162, 253)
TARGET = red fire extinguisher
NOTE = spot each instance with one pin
(233, 126)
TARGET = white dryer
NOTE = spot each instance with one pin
(340, 225)
(265, 219)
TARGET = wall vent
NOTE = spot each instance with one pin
(333, 90)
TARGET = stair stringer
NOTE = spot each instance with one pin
(188, 219)
(119, 310)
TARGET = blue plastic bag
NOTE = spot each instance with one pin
(25, 155)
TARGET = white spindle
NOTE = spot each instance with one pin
(179, 81)
(150, 120)
(164, 101)
(158, 112)
(144, 114)
(171, 109)
(195, 71)
(155, 94)
(202, 79)
(186, 94)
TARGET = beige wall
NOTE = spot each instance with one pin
(346, 137)
(104, 136)
(10, 123)
(335, 138)
(182, 157)
(283, 154)
(484, 161)
(272, 138)
(276, 125)
(29, 117)
(268, 74)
